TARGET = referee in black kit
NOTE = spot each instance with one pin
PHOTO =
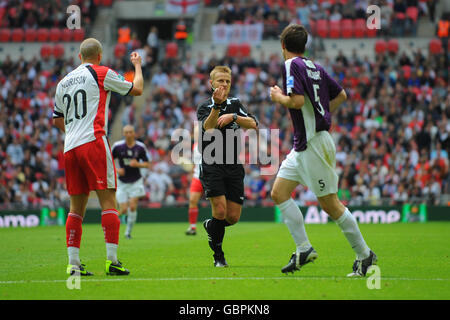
(222, 178)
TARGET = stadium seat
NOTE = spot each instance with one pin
(5, 35)
(347, 28)
(30, 35)
(55, 34)
(412, 13)
(334, 28)
(66, 35)
(371, 33)
(46, 51)
(245, 49)
(78, 35)
(380, 46)
(322, 28)
(392, 45)
(435, 46)
(120, 50)
(58, 51)
(232, 50)
(359, 28)
(171, 50)
(17, 35)
(42, 35)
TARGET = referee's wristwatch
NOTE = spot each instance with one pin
(234, 116)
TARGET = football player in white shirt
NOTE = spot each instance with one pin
(81, 111)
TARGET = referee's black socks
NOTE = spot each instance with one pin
(217, 230)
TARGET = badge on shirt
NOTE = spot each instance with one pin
(290, 82)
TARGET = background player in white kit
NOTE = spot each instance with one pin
(81, 111)
(310, 94)
(132, 156)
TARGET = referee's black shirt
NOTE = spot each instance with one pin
(231, 105)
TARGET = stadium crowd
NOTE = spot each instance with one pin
(396, 19)
(392, 135)
(32, 14)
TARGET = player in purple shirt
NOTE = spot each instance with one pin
(311, 95)
(131, 156)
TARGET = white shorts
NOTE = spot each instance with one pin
(313, 167)
(126, 191)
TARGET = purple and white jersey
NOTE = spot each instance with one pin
(304, 77)
(124, 154)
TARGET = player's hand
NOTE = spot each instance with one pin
(133, 163)
(275, 93)
(135, 58)
(220, 95)
(121, 171)
(224, 120)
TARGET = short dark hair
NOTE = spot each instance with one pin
(294, 38)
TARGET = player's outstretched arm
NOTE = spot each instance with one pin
(138, 81)
(336, 102)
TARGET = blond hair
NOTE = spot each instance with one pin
(217, 69)
(90, 48)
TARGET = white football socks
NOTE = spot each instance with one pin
(350, 229)
(74, 256)
(293, 219)
(111, 252)
(131, 219)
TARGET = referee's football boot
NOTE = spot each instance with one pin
(360, 267)
(116, 269)
(299, 260)
(80, 270)
(219, 261)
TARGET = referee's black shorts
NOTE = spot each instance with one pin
(223, 179)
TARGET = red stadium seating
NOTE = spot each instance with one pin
(171, 50)
(66, 35)
(120, 50)
(334, 29)
(58, 51)
(347, 28)
(30, 35)
(78, 35)
(5, 35)
(107, 3)
(42, 35)
(233, 50)
(46, 51)
(392, 45)
(371, 33)
(359, 28)
(435, 46)
(55, 34)
(322, 28)
(380, 46)
(245, 49)
(17, 35)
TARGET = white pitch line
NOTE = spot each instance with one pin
(217, 278)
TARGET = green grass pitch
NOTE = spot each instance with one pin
(165, 264)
